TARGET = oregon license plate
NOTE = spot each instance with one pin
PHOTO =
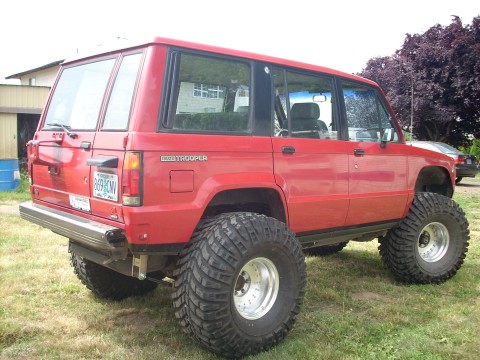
(105, 186)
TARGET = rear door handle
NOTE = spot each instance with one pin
(359, 152)
(85, 145)
(288, 149)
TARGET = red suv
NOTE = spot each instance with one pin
(213, 171)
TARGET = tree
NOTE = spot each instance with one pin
(435, 77)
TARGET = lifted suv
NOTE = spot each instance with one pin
(213, 170)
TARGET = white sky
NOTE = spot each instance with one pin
(342, 35)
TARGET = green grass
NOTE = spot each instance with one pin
(353, 308)
(19, 194)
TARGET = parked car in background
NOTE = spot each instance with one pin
(467, 165)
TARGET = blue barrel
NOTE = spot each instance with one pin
(9, 174)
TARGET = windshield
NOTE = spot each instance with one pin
(78, 96)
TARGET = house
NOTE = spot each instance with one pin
(21, 107)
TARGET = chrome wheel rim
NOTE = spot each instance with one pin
(256, 288)
(433, 242)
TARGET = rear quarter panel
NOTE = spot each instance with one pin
(176, 192)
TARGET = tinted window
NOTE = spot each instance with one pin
(304, 106)
(78, 96)
(118, 110)
(367, 116)
(211, 95)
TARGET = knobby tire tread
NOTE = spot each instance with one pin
(398, 248)
(205, 270)
(107, 283)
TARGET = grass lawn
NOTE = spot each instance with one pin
(353, 308)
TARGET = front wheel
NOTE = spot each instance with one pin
(240, 283)
(430, 244)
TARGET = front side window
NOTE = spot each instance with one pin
(368, 119)
(118, 110)
(304, 106)
(210, 95)
(78, 96)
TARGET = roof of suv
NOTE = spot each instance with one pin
(221, 50)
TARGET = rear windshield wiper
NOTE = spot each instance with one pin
(65, 128)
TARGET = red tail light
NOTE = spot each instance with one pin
(132, 179)
(459, 160)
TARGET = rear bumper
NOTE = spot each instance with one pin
(467, 170)
(100, 238)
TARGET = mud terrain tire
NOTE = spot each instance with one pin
(107, 283)
(240, 283)
(430, 244)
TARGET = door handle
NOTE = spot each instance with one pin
(85, 145)
(288, 149)
(359, 152)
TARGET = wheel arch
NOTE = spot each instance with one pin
(434, 179)
(261, 200)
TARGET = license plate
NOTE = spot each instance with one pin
(469, 161)
(105, 186)
(80, 202)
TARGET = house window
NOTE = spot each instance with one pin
(32, 81)
(207, 91)
(242, 92)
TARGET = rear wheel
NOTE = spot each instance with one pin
(240, 283)
(326, 249)
(430, 244)
(458, 179)
(107, 283)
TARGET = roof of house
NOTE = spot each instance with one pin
(43, 67)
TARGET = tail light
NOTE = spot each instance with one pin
(459, 160)
(132, 179)
(30, 156)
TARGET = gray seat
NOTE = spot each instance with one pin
(305, 122)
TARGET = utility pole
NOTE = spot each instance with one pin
(411, 104)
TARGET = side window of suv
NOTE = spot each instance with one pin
(210, 94)
(368, 119)
(306, 101)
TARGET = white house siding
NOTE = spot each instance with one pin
(45, 77)
(196, 104)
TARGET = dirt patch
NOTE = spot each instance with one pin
(9, 207)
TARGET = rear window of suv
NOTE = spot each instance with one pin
(79, 94)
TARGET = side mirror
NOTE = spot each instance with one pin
(387, 136)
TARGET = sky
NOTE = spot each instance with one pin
(341, 34)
